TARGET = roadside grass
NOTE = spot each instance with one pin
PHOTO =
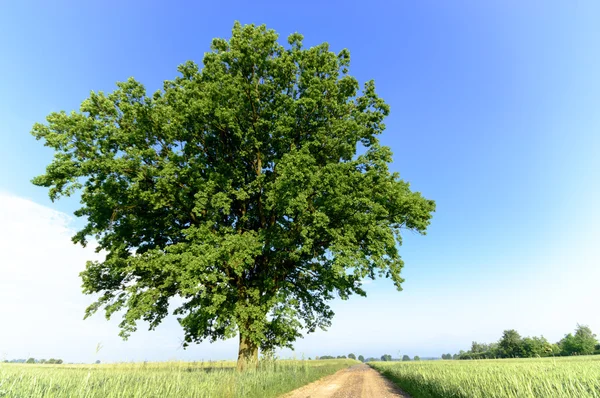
(562, 377)
(161, 379)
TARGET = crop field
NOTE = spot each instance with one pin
(562, 377)
(168, 379)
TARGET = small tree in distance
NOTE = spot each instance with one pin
(361, 358)
(351, 356)
(406, 358)
(417, 358)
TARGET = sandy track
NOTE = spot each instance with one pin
(359, 381)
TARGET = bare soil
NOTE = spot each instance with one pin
(359, 381)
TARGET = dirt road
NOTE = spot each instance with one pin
(359, 381)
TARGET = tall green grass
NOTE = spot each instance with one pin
(171, 379)
(564, 377)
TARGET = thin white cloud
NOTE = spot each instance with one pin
(42, 306)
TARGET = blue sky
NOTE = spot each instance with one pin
(494, 114)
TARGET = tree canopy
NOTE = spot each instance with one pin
(248, 192)
(510, 343)
(582, 343)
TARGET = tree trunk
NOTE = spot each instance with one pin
(248, 354)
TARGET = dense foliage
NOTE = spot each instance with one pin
(252, 190)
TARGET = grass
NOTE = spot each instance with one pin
(168, 379)
(564, 377)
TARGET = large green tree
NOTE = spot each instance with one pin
(582, 343)
(510, 344)
(535, 347)
(251, 190)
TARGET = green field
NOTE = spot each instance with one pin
(168, 379)
(573, 377)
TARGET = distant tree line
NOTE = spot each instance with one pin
(349, 356)
(331, 357)
(512, 345)
(405, 358)
(50, 361)
(450, 356)
(385, 357)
